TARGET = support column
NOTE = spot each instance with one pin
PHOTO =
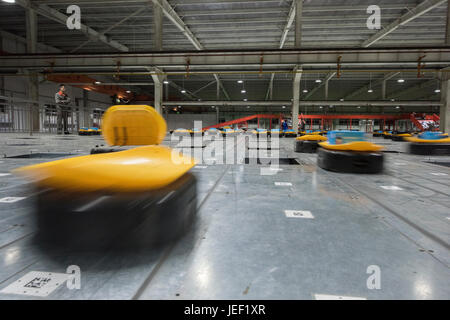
(326, 89)
(296, 98)
(218, 91)
(445, 108)
(217, 114)
(33, 79)
(383, 90)
(447, 29)
(86, 113)
(298, 23)
(158, 80)
(158, 26)
(2, 78)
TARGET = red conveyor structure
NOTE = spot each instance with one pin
(386, 122)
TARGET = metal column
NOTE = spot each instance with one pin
(296, 97)
(33, 79)
(158, 23)
(445, 108)
(298, 22)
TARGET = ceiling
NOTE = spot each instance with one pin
(233, 24)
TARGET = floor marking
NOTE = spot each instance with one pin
(283, 184)
(4, 174)
(333, 297)
(392, 188)
(11, 199)
(439, 174)
(200, 167)
(298, 214)
(36, 283)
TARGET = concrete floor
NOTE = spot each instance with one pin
(243, 246)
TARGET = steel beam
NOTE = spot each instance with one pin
(57, 16)
(375, 103)
(374, 84)
(179, 23)
(323, 83)
(210, 60)
(412, 14)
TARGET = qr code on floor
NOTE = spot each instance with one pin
(38, 283)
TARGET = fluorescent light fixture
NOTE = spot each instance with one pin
(97, 82)
(318, 81)
(245, 99)
(401, 80)
(392, 100)
(213, 106)
(243, 91)
(305, 91)
(284, 107)
(342, 100)
(128, 91)
(240, 81)
(437, 90)
(248, 107)
(166, 82)
(183, 91)
(370, 91)
(9, 1)
(320, 107)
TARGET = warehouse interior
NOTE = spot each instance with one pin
(287, 228)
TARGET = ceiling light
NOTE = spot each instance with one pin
(318, 81)
(342, 100)
(320, 107)
(397, 107)
(245, 99)
(284, 107)
(392, 100)
(370, 91)
(9, 1)
(240, 81)
(243, 91)
(248, 107)
(401, 80)
(128, 91)
(166, 82)
(213, 107)
(183, 91)
(97, 82)
(305, 91)
(437, 90)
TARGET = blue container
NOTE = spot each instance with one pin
(340, 137)
(432, 136)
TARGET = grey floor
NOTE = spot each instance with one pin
(243, 246)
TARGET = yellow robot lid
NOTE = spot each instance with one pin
(312, 137)
(403, 135)
(133, 125)
(417, 140)
(362, 146)
(139, 169)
